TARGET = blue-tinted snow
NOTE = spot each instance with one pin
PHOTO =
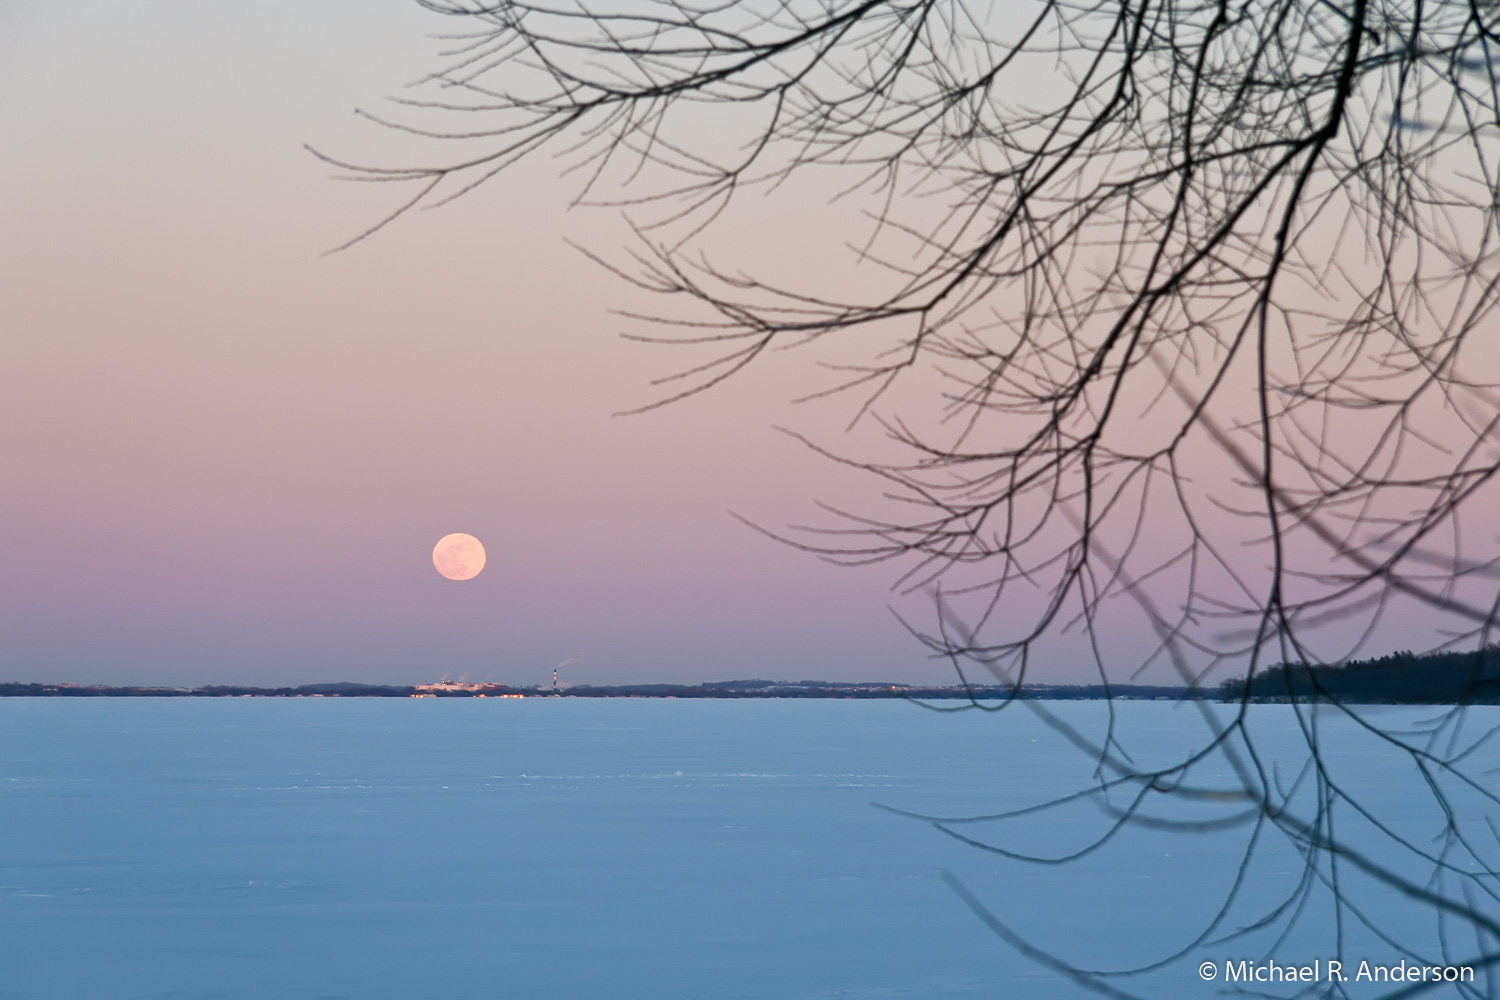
(630, 849)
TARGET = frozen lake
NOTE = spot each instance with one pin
(623, 849)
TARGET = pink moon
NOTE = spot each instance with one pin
(458, 556)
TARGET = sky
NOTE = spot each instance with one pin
(226, 455)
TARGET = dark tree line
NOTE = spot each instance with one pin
(1403, 677)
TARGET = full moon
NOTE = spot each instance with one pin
(458, 556)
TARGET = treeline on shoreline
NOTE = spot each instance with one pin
(717, 689)
(1399, 678)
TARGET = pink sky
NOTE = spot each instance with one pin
(227, 457)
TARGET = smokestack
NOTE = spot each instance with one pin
(565, 663)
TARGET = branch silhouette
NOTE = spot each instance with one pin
(1166, 315)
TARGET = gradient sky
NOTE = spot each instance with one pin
(226, 456)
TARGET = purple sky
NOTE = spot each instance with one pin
(226, 457)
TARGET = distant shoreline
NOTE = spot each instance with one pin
(720, 689)
(1400, 678)
(1229, 693)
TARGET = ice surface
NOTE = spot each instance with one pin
(624, 849)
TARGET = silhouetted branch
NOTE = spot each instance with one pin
(1166, 313)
